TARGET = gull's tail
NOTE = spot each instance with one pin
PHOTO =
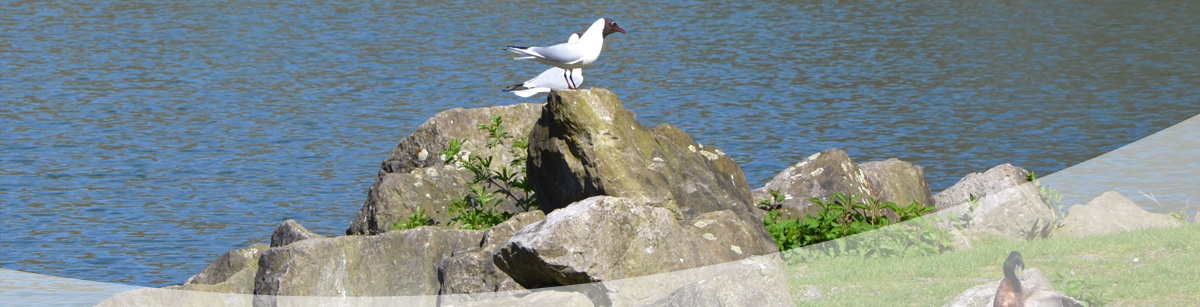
(525, 92)
(515, 87)
(524, 52)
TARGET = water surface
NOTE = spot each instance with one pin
(140, 140)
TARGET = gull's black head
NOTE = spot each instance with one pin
(611, 27)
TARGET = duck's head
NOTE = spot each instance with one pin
(1014, 265)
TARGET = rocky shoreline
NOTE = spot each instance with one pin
(622, 205)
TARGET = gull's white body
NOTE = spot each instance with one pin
(551, 79)
(569, 55)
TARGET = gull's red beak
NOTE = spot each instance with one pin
(618, 29)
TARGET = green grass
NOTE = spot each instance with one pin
(1166, 273)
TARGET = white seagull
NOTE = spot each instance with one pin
(571, 55)
(551, 79)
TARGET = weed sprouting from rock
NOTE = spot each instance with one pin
(1050, 195)
(489, 187)
(416, 219)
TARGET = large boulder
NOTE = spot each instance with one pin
(898, 181)
(995, 180)
(607, 238)
(536, 298)
(586, 144)
(290, 232)
(1006, 204)
(819, 176)
(752, 281)
(757, 281)
(232, 272)
(396, 196)
(472, 270)
(398, 263)
(420, 149)
(1111, 212)
(230, 264)
(415, 176)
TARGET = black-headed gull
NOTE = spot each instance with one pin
(572, 55)
(551, 79)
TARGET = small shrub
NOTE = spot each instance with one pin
(786, 232)
(1050, 195)
(972, 205)
(842, 216)
(1180, 215)
(489, 188)
(477, 211)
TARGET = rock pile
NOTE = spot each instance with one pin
(632, 216)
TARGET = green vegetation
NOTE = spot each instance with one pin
(1049, 194)
(972, 205)
(477, 210)
(775, 202)
(842, 216)
(1089, 292)
(1139, 268)
(1180, 215)
(416, 219)
(489, 188)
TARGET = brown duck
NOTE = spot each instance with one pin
(1011, 294)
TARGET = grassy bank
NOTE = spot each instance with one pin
(1141, 268)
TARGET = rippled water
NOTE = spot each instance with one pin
(141, 140)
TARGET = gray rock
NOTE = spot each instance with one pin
(398, 263)
(420, 149)
(897, 181)
(414, 175)
(586, 144)
(536, 298)
(819, 176)
(608, 238)
(740, 283)
(183, 296)
(982, 295)
(1110, 212)
(233, 271)
(748, 282)
(472, 270)
(499, 234)
(396, 196)
(999, 178)
(290, 232)
(752, 281)
(1008, 205)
